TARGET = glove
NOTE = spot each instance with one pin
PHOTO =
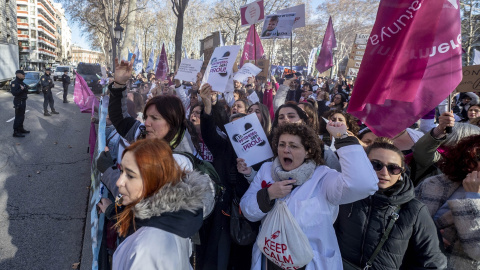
(104, 161)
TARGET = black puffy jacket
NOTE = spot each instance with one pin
(413, 242)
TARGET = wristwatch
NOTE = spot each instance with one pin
(340, 135)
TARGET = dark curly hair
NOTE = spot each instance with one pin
(307, 136)
(351, 121)
(461, 159)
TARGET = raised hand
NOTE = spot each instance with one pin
(471, 183)
(336, 129)
(242, 167)
(123, 70)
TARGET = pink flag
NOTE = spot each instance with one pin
(92, 139)
(162, 65)
(83, 96)
(253, 49)
(412, 62)
(325, 58)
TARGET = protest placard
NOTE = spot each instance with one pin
(188, 69)
(263, 64)
(248, 70)
(252, 13)
(299, 15)
(471, 79)
(278, 26)
(221, 67)
(249, 140)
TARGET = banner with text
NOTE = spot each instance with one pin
(278, 26)
(221, 66)
(188, 69)
(252, 13)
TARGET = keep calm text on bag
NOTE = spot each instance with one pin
(282, 240)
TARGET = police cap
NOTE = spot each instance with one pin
(48, 69)
(20, 72)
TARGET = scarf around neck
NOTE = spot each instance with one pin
(301, 174)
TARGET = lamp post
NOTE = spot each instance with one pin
(118, 31)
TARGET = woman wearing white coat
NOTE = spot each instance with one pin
(317, 190)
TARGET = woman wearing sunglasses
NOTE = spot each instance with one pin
(411, 243)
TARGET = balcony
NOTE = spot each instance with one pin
(46, 42)
(22, 25)
(44, 30)
(23, 37)
(47, 6)
(48, 23)
(22, 13)
(42, 10)
(46, 52)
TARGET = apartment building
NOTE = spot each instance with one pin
(64, 33)
(36, 23)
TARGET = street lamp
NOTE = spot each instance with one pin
(118, 30)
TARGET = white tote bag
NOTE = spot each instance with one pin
(282, 240)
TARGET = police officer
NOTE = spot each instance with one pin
(65, 82)
(47, 85)
(19, 91)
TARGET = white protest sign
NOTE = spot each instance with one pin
(249, 140)
(253, 98)
(247, 70)
(299, 15)
(278, 26)
(188, 69)
(221, 67)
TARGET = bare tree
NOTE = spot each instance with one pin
(349, 17)
(179, 7)
(129, 27)
(470, 27)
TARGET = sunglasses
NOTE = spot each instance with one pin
(393, 169)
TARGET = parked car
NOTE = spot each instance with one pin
(91, 73)
(32, 79)
(59, 70)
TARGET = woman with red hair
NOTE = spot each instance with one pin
(163, 208)
(453, 200)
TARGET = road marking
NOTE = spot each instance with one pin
(10, 120)
(59, 93)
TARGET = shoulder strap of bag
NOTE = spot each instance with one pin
(393, 217)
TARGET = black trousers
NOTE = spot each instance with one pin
(48, 99)
(20, 106)
(65, 92)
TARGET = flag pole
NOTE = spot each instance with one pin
(291, 50)
(255, 43)
(448, 130)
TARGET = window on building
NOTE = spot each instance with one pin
(32, 25)
(32, 12)
(33, 45)
(33, 34)
(32, 1)
(24, 20)
(23, 8)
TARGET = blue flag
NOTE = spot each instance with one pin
(150, 63)
(138, 64)
(129, 55)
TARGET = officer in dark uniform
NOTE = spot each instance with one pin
(47, 85)
(19, 91)
(65, 82)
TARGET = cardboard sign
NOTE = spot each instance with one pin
(188, 69)
(249, 140)
(471, 79)
(221, 66)
(248, 70)
(278, 26)
(252, 13)
(362, 39)
(264, 64)
(299, 15)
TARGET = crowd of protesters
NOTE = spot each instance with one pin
(407, 202)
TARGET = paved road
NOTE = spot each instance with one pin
(44, 181)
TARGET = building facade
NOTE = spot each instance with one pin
(64, 33)
(86, 56)
(36, 23)
(8, 25)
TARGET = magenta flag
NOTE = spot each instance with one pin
(83, 96)
(253, 49)
(412, 62)
(162, 65)
(325, 58)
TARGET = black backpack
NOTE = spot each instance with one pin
(207, 168)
